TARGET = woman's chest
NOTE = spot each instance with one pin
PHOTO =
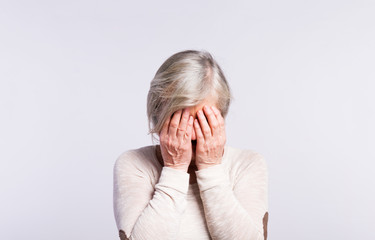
(193, 222)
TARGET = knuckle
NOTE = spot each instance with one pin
(185, 147)
(205, 146)
(164, 141)
(174, 125)
(170, 142)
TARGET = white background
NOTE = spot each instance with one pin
(74, 79)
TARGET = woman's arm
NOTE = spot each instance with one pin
(145, 212)
(238, 213)
(230, 213)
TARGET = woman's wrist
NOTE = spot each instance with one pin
(183, 168)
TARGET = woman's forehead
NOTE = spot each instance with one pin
(211, 101)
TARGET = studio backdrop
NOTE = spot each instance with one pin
(74, 77)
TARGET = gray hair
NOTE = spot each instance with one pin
(185, 79)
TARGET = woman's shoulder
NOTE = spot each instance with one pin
(143, 156)
(245, 163)
(243, 158)
(137, 152)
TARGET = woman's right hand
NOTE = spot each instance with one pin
(175, 140)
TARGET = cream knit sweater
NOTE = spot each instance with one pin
(228, 201)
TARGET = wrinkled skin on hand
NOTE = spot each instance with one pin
(210, 133)
(175, 140)
(207, 131)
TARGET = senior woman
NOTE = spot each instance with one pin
(191, 185)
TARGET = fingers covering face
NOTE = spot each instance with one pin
(218, 116)
(175, 122)
(164, 130)
(212, 120)
(209, 123)
(183, 123)
(180, 124)
(203, 124)
(198, 131)
(189, 129)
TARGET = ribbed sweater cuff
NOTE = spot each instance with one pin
(211, 177)
(174, 179)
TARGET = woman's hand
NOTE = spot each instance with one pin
(210, 137)
(175, 140)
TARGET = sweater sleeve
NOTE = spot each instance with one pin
(235, 213)
(144, 211)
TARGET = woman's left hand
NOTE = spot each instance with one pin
(210, 137)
